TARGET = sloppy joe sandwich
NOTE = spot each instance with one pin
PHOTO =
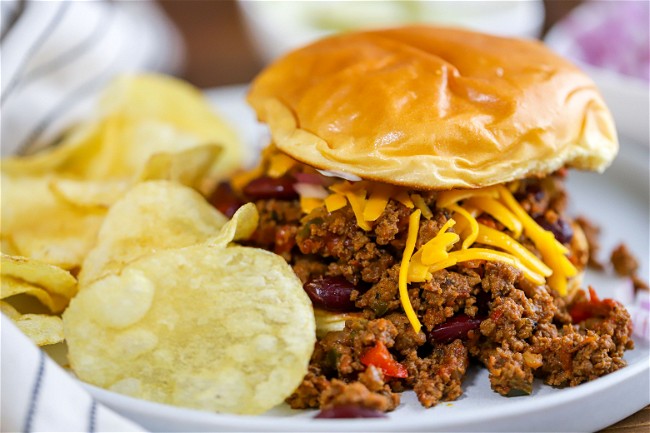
(415, 183)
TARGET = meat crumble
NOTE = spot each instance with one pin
(476, 311)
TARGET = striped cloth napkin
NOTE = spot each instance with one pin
(58, 54)
(39, 395)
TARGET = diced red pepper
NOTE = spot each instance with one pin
(594, 307)
(380, 357)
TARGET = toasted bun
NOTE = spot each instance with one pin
(434, 108)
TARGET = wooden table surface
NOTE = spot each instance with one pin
(219, 53)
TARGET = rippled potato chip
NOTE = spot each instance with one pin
(225, 329)
(88, 195)
(39, 225)
(241, 226)
(51, 278)
(42, 329)
(13, 286)
(151, 216)
(173, 101)
(188, 167)
(139, 116)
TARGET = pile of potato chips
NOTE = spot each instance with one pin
(110, 228)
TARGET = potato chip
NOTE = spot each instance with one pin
(52, 278)
(42, 329)
(126, 145)
(9, 311)
(242, 224)
(139, 116)
(175, 102)
(78, 145)
(88, 195)
(152, 215)
(7, 246)
(213, 328)
(10, 286)
(40, 226)
(189, 167)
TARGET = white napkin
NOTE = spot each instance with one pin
(38, 395)
(57, 55)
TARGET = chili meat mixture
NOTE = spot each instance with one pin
(476, 311)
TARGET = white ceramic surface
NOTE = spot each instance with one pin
(617, 200)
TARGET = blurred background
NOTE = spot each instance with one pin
(228, 41)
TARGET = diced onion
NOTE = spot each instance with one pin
(310, 190)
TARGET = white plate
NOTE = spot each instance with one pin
(617, 200)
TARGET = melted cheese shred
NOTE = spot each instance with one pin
(334, 202)
(419, 203)
(377, 202)
(279, 165)
(473, 224)
(436, 249)
(446, 198)
(553, 252)
(414, 226)
(495, 238)
(494, 256)
(498, 211)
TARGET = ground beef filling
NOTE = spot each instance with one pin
(516, 330)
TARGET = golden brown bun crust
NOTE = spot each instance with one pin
(434, 108)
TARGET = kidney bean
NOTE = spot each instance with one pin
(350, 411)
(224, 199)
(330, 293)
(312, 178)
(455, 327)
(266, 187)
(561, 229)
(534, 191)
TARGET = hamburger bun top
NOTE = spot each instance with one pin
(434, 108)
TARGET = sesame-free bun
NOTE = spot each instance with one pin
(434, 108)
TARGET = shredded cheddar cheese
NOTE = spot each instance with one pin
(414, 226)
(446, 198)
(436, 249)
(403, 197)
(377, 202)
(473, 225)
(498, 211)
(357, 201)
(241, 179)
(280, 164)
(496, 256)
(308, 204)
(553, 252)
(495, 238)
(419, 203)
(335, 202)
